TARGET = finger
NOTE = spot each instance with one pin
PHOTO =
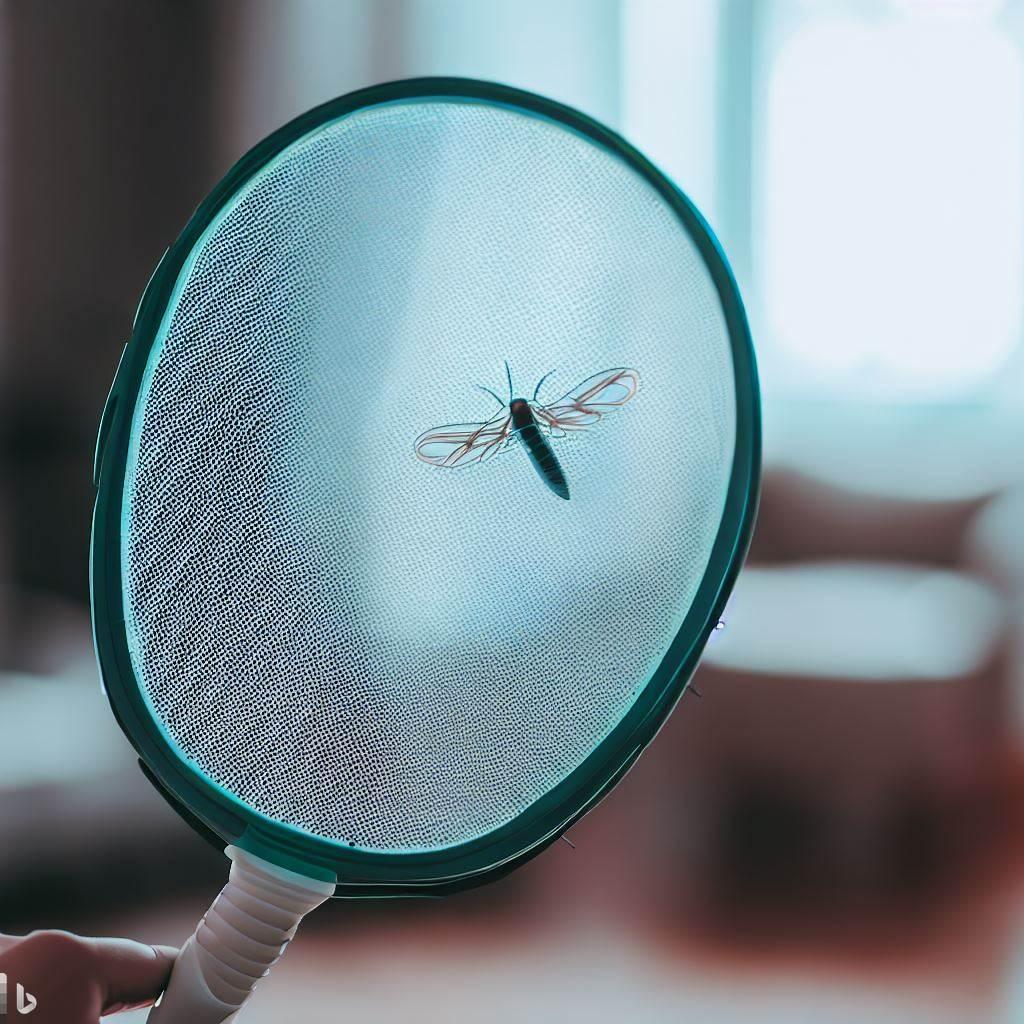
(129, 973)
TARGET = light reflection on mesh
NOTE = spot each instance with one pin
(373, 650)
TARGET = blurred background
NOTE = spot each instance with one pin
(833, 833)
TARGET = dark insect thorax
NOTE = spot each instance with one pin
(522, 415)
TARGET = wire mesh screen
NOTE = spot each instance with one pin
(381, 652)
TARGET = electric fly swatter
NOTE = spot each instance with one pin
(361, 672)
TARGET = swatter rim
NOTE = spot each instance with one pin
(369, 872)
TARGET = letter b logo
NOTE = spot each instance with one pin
(26, 1001)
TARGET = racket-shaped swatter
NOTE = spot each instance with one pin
(422, 482)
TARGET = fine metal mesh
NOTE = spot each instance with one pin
(384, 653)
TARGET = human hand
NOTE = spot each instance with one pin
(76, 980)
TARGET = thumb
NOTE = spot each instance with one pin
(129, 973)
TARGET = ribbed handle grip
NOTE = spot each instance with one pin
(241, 937)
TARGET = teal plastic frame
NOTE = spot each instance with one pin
(357, 872)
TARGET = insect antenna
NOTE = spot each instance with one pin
(492, 394)
(508, 373)
(536, 390)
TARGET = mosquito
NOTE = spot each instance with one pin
(527, 423)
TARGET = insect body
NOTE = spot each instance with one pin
(524, 423)
(531, 424)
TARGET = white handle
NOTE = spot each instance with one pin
(241, 937)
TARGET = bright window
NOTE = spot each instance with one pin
(888, 222)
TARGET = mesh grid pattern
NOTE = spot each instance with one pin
(387, 654)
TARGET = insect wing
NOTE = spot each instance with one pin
(588, 402)
(463, 444)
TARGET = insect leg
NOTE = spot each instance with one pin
(536, 390)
